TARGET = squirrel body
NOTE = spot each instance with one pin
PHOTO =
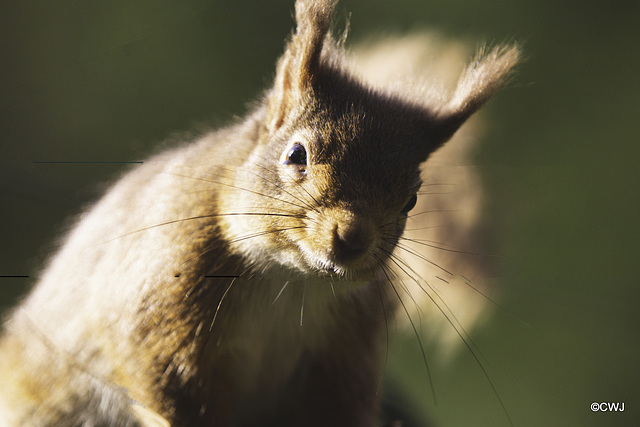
(240, 279)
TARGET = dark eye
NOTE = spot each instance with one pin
(410, 204)
(297, 155)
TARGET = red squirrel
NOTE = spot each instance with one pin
(243, 278)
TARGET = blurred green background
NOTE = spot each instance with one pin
(109, 81)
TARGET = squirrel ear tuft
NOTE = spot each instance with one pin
(299, 65)
(482, 78)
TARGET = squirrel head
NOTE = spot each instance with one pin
(339, 162)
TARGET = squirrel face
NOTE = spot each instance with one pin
(338, 177)
(328, 186)
(348, 219)
(356, 183)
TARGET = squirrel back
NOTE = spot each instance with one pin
(243, 278)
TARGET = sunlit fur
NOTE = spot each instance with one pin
(218, 285)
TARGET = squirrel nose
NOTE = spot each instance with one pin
(351, 240)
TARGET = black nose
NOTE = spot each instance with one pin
(350, 241)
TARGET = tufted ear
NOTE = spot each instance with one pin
(479, 82)
(299, 65)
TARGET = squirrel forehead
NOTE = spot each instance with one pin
(347, 118)
(346, 133)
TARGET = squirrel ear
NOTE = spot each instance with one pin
(479, 82)
(299, 65)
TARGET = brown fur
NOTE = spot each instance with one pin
(131, 322)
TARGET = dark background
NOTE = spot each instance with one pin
(109, 81)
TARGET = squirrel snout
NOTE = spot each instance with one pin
(351, 240)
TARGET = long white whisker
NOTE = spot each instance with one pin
(415, 331)
(243, 189)
(464, 336)
(280, 293)
(224, 295)
(304, 293)
(422, 257)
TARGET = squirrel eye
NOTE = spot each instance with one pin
(297, 155)
(410, 204)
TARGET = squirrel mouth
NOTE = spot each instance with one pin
(353, 270)
(325, 266)
(341, 260)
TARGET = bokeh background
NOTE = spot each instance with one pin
(109, 81)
